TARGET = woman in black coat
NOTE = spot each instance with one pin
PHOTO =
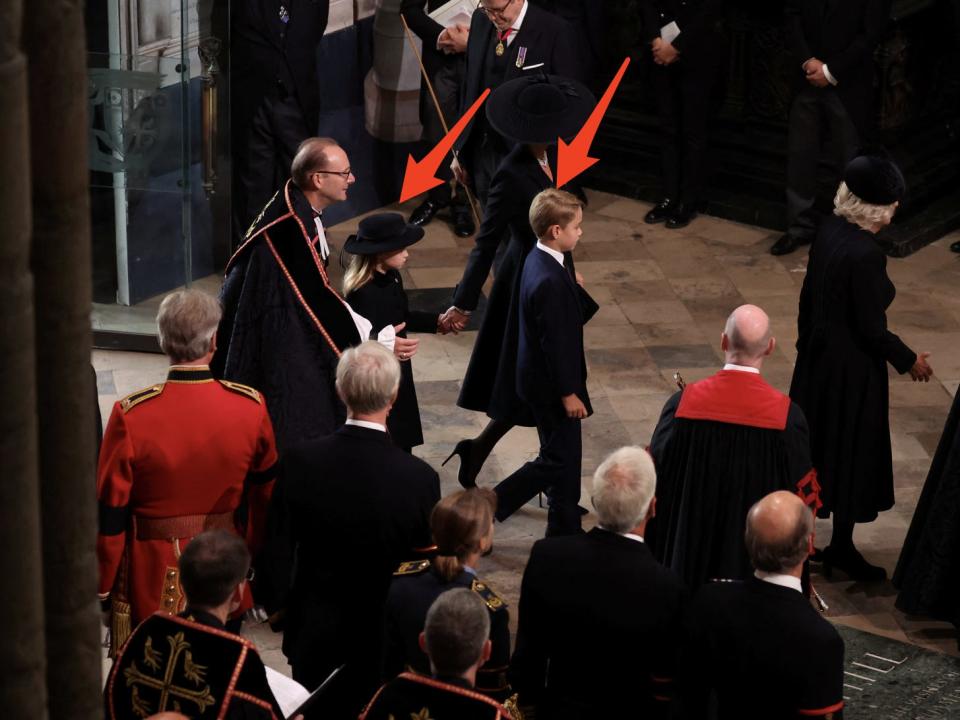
(843, 347)
(532, 112)
(374, 289)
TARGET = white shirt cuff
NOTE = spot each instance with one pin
(830, 78)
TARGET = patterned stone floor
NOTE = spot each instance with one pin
(664, 296)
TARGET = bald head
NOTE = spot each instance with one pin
(778, 532)
(746, 339)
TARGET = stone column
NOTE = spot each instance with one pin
(54, 40)
(23, 681)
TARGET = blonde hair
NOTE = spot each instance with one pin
(867, 215)
(552, 207)
(186, 322)
(359, 272)
(458, 523)
(368, 376)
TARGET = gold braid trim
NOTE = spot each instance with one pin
(512, 706)
(120, 626)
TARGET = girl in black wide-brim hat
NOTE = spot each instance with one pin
(373, 287)
(533, 112)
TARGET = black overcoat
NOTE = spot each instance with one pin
(489, 384)
(383, 302)
(840, 377)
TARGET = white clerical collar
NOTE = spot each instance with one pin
(558, 256)
(324, 248)
(366, 424)
(742, 368)
(519, 21)
(632, 536)
(787, 581)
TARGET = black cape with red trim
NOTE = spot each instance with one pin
(722, 444)
(284, 325)
(190, 665)
(416, 696)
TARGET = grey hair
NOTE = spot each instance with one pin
(457, 626)
(623, 487)
(186, 322)
(368, 376)
(867, 215)
(783, 553)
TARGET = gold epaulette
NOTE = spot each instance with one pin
(139, 396)
(494, 602)
(412, 567)
(243, 390)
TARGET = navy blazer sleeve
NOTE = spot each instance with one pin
(559, 333)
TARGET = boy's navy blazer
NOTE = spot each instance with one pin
(550, 360)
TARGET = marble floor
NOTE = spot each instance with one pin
(664, 296)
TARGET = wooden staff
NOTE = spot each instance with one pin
(443, 120)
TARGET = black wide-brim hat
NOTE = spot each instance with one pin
(874, 179)
(538, 109)
(382, 233)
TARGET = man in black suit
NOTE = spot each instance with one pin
(551, 370)
(831, 45)
(505, 37)
(346, 510)
(274, 95)
(687, 69)
(588, 601)
(444, 59)
(587, 20)
(759, 645)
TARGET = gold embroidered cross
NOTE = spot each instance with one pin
(201, 697)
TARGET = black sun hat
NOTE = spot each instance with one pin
(382, 233)
(874, 179)
(537, 109)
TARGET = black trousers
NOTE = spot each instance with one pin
(556, 470)
(819, 126)
(446, 81)
(686, 100)
(264, 147)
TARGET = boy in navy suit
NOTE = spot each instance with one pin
(551, 369)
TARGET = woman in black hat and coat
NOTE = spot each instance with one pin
(373, 287)
(843, 347)
(532, 112)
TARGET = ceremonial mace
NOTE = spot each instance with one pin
(443, 120)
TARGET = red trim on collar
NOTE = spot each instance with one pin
(737, 397)
(822, 711)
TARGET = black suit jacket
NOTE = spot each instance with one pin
(550, 359)
(546, 37)
(269, 57)
(764, 651)
(587, 19)
(844, 35)
(698, 21)
(586, 603)
(428, 30)
(346, 510)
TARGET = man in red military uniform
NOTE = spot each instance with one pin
(722, 444)
(177, 458)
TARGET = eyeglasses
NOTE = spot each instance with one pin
(494, 12)
(345, 174)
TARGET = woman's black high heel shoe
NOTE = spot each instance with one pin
(467, 475)
(851, 562)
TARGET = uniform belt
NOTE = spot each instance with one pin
(182, 526)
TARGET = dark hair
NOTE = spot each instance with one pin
(456, 627)
(782, 553)
(458, 523)
(211, 567)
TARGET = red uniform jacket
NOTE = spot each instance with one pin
(177, 458)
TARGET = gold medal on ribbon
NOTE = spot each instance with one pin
(499, 48)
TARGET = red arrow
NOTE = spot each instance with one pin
(419, 176)
(574, 158)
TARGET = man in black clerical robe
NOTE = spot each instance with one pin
(284, 325)
(189, 663)
(721, 444)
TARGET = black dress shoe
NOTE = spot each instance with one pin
(424, 212)
(463, 225)
(660, 212)
(851, 562)
(787, 244)
(956, 246)
(680, 215)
